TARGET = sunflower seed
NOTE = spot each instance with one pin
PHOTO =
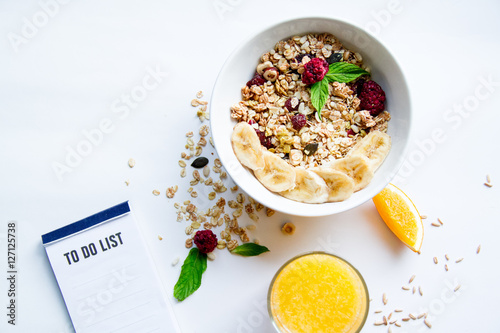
(378, 323)
(421, 315)
(405, 288)
(384, 299)
(459, 260)
(397, 324)
(310, 149)
(488, 184)
(175, 261)
(427, 323)
(420, 291)
(411, 279)
(423, 217)
(412, 316)
(398, 310)
(378, 311)
(456, 288)
(478, 249)
(446, 267)
(435, 260)
(446, 257)
(434, 224)
(440, 221)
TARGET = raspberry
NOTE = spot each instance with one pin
(289, 104)
(372, 98)
(357, 86)
(298, 121)
(256, 80)
(205, 240)
(315, 71)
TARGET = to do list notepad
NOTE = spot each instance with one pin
(106, 275)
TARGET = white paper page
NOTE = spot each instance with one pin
(108, 280)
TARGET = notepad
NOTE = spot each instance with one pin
(106, 275)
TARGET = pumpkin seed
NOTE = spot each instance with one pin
(200, 162)
(310, 149)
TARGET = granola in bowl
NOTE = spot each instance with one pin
(318, 120)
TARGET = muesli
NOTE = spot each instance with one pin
(311, 123)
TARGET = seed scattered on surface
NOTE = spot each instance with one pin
(160, 238)
(175, 261)
(288, 228)
(211, 256)
(435, 260)
(420, 291)
(406, 319)
(378, 311)
(397, 324)
(412, 316)
(384, 299)
(423, 217)
(389, 316)
(414, 290)
(131, 162)
(182, 164)
(398, 310)
(446, 267)
(456, 288)
(389, 330)
(199, 94)
(378, 323)
(440, 221)
(156, 192)
(434, 224)
(459, 260)
(446, 257)
(488, 184)
(200, 162)
(405, 288)
(127, 182)
(427, 323)
(420, 316)
(393, 321)
(488, 179)
(478, 249)
(412, 278)
(385, 320)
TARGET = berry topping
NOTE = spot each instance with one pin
(271, 74)
(256, 80)
(357, 86)
(350, 132)
(292, 104)
(205, 240)
(299, 121)
(264, 140)
(301, 56)
(372, 98)
(335, 57)
(315, 71)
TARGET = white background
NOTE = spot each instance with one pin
(64, 76)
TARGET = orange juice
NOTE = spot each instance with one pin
(318, 292)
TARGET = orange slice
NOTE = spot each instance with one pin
(401, 216)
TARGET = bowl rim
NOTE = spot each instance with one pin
(335, 208)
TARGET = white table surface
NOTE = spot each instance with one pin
(64, 77)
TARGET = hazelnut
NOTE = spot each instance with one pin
(271, 74)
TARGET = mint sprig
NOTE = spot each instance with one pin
(190, 277)
(249, 249)
(342, 72)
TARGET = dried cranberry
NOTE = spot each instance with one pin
(372, 98)
(298, 121)
(256, 80)
(314, 71)
(264, 140)
(205, 241)
(302, 55)
(357, 86)
(350, 132)
(289, 104)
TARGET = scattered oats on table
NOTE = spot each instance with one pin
(131, 162)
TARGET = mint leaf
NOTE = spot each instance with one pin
(344, 72)
(319, 95)
(250, 249)
(190, 277)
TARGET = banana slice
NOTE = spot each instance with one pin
(246, 146)
(277, 175)
(356, 167)
(375, 147)
(340, 185)
(309, 188)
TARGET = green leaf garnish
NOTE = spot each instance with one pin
(190, 277)
(250, 249)
(342, 72)
(319, 95)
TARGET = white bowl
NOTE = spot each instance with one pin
(240, 67)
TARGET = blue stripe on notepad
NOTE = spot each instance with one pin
(86, 223)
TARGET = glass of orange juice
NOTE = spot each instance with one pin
(318, 292)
